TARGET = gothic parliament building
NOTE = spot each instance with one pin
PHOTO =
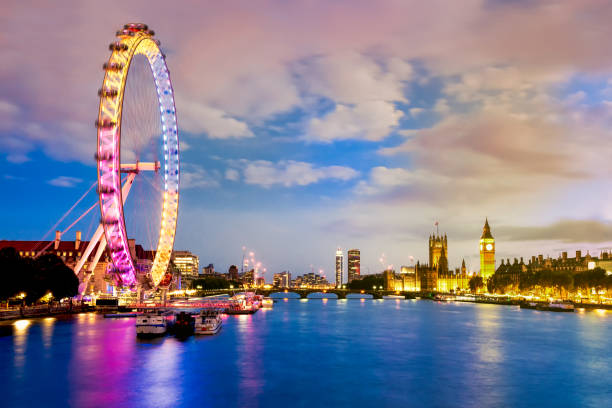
(436, 275)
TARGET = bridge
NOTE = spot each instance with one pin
(303, 292)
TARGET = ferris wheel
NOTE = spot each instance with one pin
(124, 133)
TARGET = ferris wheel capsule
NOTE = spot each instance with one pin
(135, 39)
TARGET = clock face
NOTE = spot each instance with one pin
(489, 247)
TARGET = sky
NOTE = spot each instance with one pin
(311, 125)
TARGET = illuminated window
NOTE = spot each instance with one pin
(20, 253)
(69, 253)
(59, 253)
(64, 254)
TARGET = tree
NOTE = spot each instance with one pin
(366, 283)
(35, 277)
(210, 282)
(59, 279)
(11, 270)
(476, 283)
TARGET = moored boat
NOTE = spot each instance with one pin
(154, 323)
(529, 305)
(267, 302)
(207, 322)
(557, 307)
(184, 324)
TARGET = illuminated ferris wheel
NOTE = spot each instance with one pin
(137, 136)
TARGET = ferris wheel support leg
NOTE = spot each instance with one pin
(92, 267)
(98, 237)
(92, 243)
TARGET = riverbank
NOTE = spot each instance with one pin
(512, 302)
(44, 311)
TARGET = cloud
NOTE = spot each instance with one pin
(194, 176)
(290, 173)
(197, 118)
(566, 231)
(12, 177)
(353, 78)
(416, 111)
(65, 181)
(371, 121)
(346, 52)
(17, 158)
(232, 174)
(383, 179)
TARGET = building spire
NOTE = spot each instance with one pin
(486, 230)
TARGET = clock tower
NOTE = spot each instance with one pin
(487, 253)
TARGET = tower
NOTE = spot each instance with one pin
(354, 264)
(339, 267)
(487, 252)
(438, 245)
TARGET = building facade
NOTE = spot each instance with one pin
(188, 265)
(282, 280)
(232, 273)
(101, 281)
(311, 281)
(339, 267)
(435, 276)
(487, 252)
(354, 264)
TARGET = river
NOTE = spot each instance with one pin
(318, 353)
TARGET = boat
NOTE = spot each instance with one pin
(557, 307)
(267, 302)
(153, 324)
(529, 305)
(240, 309)
(207, 322)
(242, 304)
(184, 324)
(121, 315)
(443, 298)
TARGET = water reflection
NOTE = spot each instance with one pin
(351, 353)
(20, 342)
(163, 375)
(47, 331)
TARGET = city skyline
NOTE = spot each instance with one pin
(346, 132)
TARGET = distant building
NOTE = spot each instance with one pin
(435, 276)
(409, 279)
(310, 280)
(487, 252)
(354, 265)
(248, 278)
(438, 248)
(71, 253)
(232, 273)
(282, 280)
(260, 282)
(339, 267)
(188, 264)
(389, 277)
(209, 270)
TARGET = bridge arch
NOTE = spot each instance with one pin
(359, 296)
(322, 295)
(285, 295)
